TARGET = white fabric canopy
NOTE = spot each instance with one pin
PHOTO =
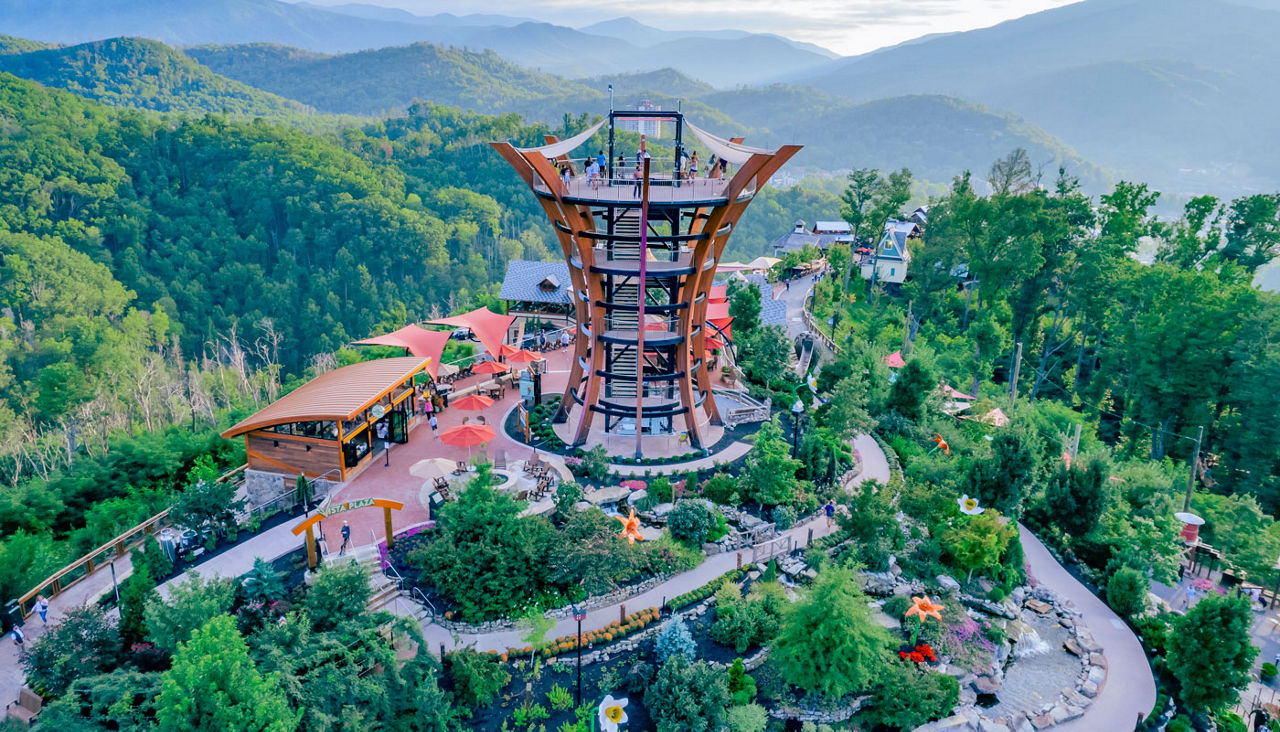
(556, 149)
(722, 148)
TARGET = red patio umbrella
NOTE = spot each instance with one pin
(523, 356)
(490, 367)
(505, 350)
(468, 436)
(472, 401)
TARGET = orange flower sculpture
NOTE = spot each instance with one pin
(923, 608)
(942, 444)
(630, 528)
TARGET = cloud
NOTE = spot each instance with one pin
(845, 26)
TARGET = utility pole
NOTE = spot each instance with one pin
(1195, 464)
(1013, 383)
(1075, 443)
(906, 331)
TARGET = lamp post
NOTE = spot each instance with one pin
(579, 615)
(797, 413)
(386, 448)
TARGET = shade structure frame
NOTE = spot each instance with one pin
(700, 228)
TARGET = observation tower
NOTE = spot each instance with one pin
(642, 239)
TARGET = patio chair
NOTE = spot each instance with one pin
(26, 708)
(441, 484)
(500, 460)
(461, 468)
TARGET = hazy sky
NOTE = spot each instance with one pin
(844, 26)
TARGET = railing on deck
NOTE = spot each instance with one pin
(59, 581)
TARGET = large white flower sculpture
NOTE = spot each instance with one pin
(612, 713)
(969, 506)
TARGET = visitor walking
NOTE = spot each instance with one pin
(346, 538)
(433, 422)
(693, 165)
(564, 341)
(19, 641)
(830, 511)
(601, 160)
(42, 609)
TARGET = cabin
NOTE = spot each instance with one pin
(331, 427)
(822, 235)
(892, 255)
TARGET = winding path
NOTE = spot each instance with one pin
(874, 467)
(1130, 688)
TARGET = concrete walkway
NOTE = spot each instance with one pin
(268, 545)
(1130, 688)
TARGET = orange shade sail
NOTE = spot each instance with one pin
(468, 435)
(489, 327)
(472, 401)
(523, 356)
(490, 367)
(418, 341)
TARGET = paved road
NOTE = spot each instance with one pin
(1130, 688)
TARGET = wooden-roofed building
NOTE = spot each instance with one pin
(331, 426)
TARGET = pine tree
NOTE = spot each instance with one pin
(214, 685)
(829, 644)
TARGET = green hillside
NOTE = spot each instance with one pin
(13, 44)
(387, 80)
(135, 72)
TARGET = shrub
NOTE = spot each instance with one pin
(996, 594)
(660, 488)
(477, 677)
(1268, 672)
(1180, 723)
(1127, 592)
(748, 718)
(674, 639)
(894, 607)
(687, 697)
(906, 698)
(720, 488)
(637, 677)
(742, 623)
(84, 644)
(741, 686)
(784, 517)
(690, 522)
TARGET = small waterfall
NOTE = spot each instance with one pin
(1029, 644)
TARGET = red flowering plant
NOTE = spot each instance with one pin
(921, 653)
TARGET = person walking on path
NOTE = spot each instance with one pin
(346, 538)
(19, 641)
(42, 608)
(830, 511)
(433, 422)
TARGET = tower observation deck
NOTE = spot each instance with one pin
(642, 238)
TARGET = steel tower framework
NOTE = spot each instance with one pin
(642, 251)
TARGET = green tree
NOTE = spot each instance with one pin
(124, 699)
(207, 504)
(1003, 479)
(769, 476)
(263, 583)
(1127, 591)
(1210, 653)
(214, 685)
(745, 308)
(338, 592)
(477, 678)
(687, 697)
(190, 605)
(136, 592)
(845, 412)
(976, 543)
(85, 643)
(828, 643)
(1076, 496)
(908, 394)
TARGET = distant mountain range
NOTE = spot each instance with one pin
(722, 58)
(135, 72)
(1183, 93)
